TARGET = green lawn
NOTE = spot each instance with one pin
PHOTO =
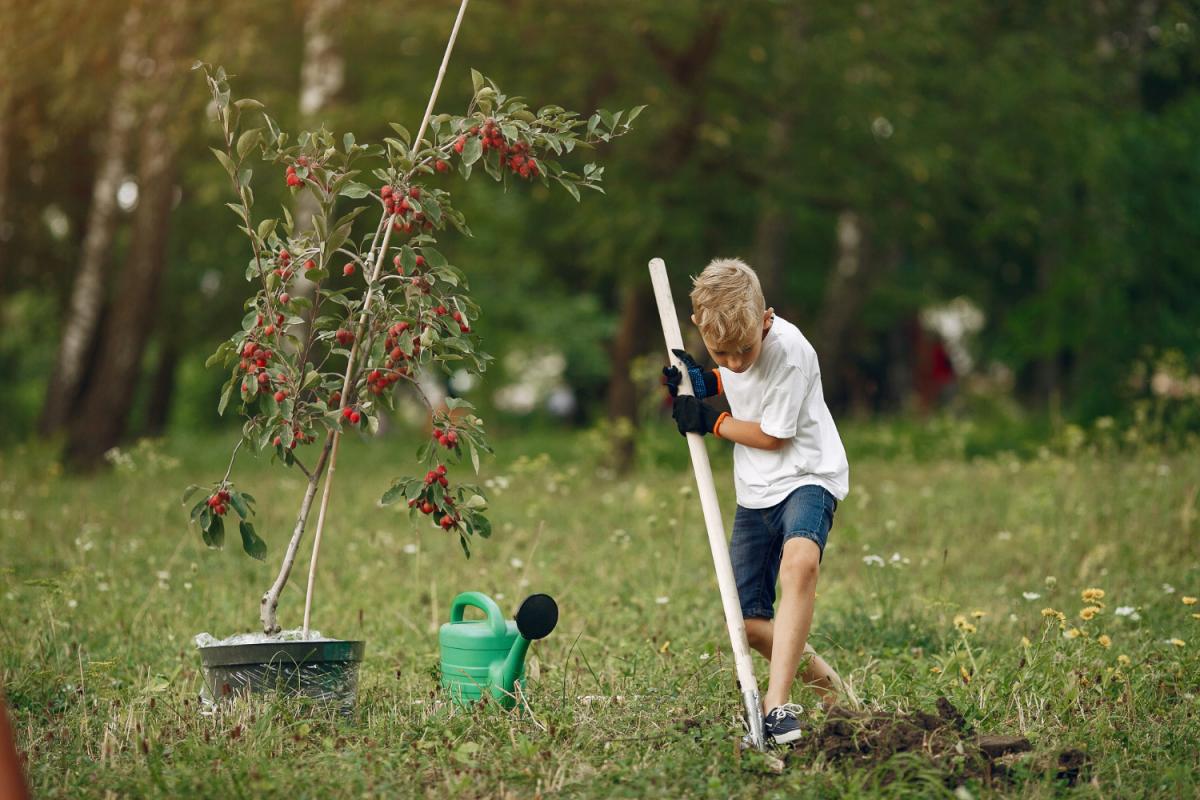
(103, 586)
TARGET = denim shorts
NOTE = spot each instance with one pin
(758, 538)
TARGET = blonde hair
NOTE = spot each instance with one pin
(727, 302)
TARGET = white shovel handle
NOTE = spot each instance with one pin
(712, 513)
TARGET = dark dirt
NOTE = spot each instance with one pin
(868, 739)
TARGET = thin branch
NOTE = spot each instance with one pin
(232, 458)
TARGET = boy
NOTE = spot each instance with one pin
(789, 468)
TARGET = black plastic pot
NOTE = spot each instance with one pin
(326, 671)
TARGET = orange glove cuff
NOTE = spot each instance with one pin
(720, 388)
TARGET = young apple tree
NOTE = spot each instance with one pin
(387, 304)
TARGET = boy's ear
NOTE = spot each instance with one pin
(693, 318)
(768, 318)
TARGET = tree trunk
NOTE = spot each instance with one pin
(8, 107)
(622, 398)
(162, 389)
(82, 321)
(104, 407)
(322, 73)
(769, 249)
(854, 275)
(688, 69)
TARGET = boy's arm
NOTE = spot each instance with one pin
(694, 416)
(747, 433)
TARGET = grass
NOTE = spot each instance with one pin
(103, 586)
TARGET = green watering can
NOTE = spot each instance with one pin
(488, 656)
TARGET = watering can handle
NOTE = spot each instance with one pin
(485, 604)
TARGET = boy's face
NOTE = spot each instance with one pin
(740, 356)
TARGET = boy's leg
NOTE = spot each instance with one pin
(798, 572)
(817, 675)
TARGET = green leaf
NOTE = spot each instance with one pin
(348, 141)
(248, 141)
(472, 149)
(402, 132)
(483, 526)
(434, 257)
(188, 492)
(198, 509)
(355, 190)
(350, 216)
(571, 188)
(316, 274)
(633, 114)
(226, 393)
(225, 160)
(214, 533)
(247, 102)
(337, 239)
(408, 259)
(477, 81)
(266, 228)
(254, 546)
(474, 457)
(235, 499)
(218, 355)
(396, 492)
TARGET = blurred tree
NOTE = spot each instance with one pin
(105, 404)
(1032, 157)
(81, 323)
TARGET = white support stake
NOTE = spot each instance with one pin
(712, 517)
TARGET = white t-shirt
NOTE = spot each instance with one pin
(782, 392)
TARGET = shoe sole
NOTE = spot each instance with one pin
(786, 738)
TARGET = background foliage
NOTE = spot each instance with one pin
(1036, 158)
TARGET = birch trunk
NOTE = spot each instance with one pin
(88, 293)
(321, 76)
(104, 407)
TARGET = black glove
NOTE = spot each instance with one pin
(693, 416)
(704, 382)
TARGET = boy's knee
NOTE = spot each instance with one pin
(758, 632)
(801, 562)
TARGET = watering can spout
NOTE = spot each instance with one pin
(513, 664)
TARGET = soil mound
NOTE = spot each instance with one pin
(859, 739)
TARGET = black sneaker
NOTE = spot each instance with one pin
(780, 725)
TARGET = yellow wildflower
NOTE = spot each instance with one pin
(1025, 641)
(1089, 612)
(1195, 616)
(1177, 642)
(1123, 660)
(960, 622)
(1189, 601)
(1073, 633)
(966, 676)
(936, 670)
(1049, 612)
(1092, 595)
(978, 614)
(1104, 640)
